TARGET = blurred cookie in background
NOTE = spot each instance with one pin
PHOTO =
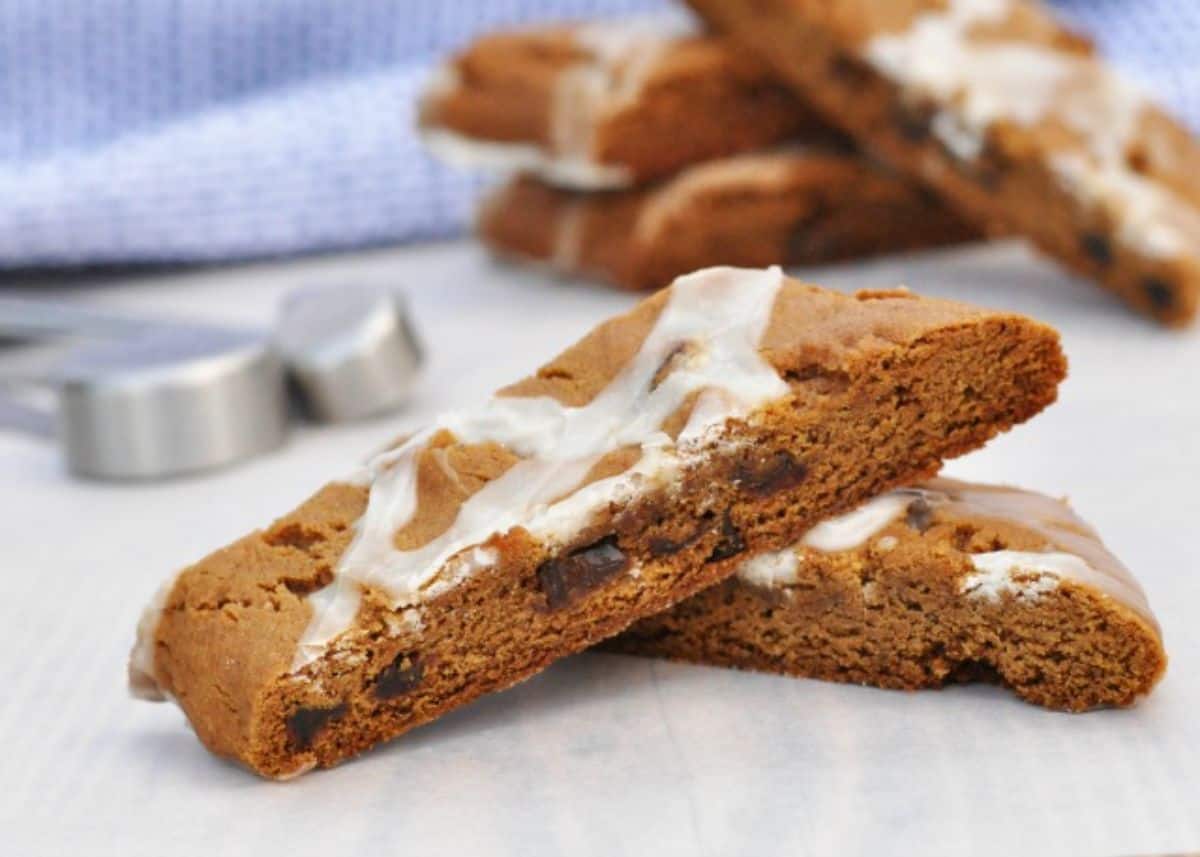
(796, 206)
(606, 105)
(1012, 118)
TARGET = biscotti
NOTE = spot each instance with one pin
(1008, 115)
(797, 206)
(944, 582)
(606, 105)
(718, 419)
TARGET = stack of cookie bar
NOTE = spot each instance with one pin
(641, 151)
(804, 131)
(742, 469)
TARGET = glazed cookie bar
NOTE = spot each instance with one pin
(1011, 117)
(720, 418)
(606, 105)
(948, 581)
(797, 206)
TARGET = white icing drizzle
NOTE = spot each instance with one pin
(611, 42)
(143, 678)
(720, 314)
(562, 170)
(760, 170)
(1065, 533)
(1021, 574)
(1153, 219)
(1072, 549)
(568, 237)
(770, 569)
(620, 58)
(852, 530)
(977, 82)
(834, 535)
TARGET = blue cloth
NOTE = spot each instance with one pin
(198, 130)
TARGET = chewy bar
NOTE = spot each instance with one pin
(1010, 117)
(944, 582)
(796, 206)
(605, 105)
(719, 419)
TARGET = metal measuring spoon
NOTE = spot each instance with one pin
(170, 402)
(351, 350)
(157, 399)
(143, 399)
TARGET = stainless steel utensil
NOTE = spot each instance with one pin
(351, 351)
(144, 399)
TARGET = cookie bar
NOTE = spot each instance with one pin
(796, 206)
(606, 105)
(720, 418)
(1011, 117)
(948, 581)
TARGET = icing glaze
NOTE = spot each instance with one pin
(1072, 552)
(1154, 220)
(719, 313)
(758, 169)
(979, 81)
(620, 58)
(887, 543)
(852, 530)
(770, 569)
(1065, 533)
(563, 170)
(1022, 574)
(568, 237)
(616, 60)
(610, 42)
(143, 679)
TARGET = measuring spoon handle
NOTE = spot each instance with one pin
(22, 319)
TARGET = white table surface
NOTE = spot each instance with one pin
(604, 754)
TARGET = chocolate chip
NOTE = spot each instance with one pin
(810, 238)
(304, 726)
(1159, 292)
(764, 476)
(661, 546)
(913, 122)
(985, 171)
(853, 71)
(400, 676)
(1097, 248)
(973, 672)
(919, 515)
(1138, 160)
(569, 578)
(648, 637)
(731, 543)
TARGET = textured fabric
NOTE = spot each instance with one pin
(195, 130)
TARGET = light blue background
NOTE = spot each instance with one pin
(186, 130)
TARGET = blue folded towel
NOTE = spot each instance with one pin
(175, 131)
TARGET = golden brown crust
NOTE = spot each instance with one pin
(903, 609)
(882, 388)
(1013, 185)
(506, 88)
(802, 207)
